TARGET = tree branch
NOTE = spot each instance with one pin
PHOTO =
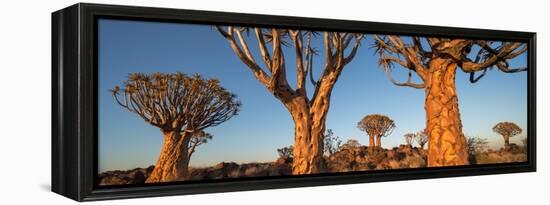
(409, 82)
(497, 57)
(256, 70)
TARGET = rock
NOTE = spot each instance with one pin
(136, 177)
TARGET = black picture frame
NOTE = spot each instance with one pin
(74, 100)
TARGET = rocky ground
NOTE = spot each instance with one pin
(346, 160)
(514, 153)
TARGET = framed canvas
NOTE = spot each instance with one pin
(156, 102)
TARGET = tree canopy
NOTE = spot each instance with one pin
(177, 101)
(508, 129)
(376, 125)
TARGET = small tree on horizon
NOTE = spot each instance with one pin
(507, 130)
(332, 143)
(376, 126)
(409, 138)
(181, 106)
(476, 145)
(422, 138)
(286, 152)
(351, 143)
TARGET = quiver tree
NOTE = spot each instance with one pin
(308, 112)
(435, 61)
(409, 138)
(181, 107)
(507, 130)
(422, 138)
(376, 126)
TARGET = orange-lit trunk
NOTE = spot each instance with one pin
(447, 144)
(371, 141)
(173, 161)
(308, 136)
(379, 141)
(506, 142)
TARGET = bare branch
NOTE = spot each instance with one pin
(263, 48)
(297, 40)
(351, 55)
(256, 70)
(496, 57)
(474, 79)
(408, 83)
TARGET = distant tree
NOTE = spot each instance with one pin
(434, 61)
(332, 143)
(309, 112)
(376, 126)
(351, 143)
(422, 138)
(507, 130)
(476, 145)
(409, 138)
(286, 152)
(182, 107)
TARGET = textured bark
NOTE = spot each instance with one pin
(379, 141)
(447, 144)
(173, 161)
(308, 136)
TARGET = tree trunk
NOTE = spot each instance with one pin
(379, 141)
(447, 144)
(173, 162)
(371, 141)
(308, 136)
(506, 143)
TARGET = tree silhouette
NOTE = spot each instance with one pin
(308, 113)
(507, 130)
(182, 107)
(476, 145)
(286, 152)
(434, 61)
(422, 138)
(409, 138)
(332, 143)
(376, 126)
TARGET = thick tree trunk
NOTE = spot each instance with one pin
(379, 141)
(447, 144)
(308, 137)
(173, 162)
(506, 143)
(371, 141)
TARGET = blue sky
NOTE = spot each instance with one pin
(263, 125)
